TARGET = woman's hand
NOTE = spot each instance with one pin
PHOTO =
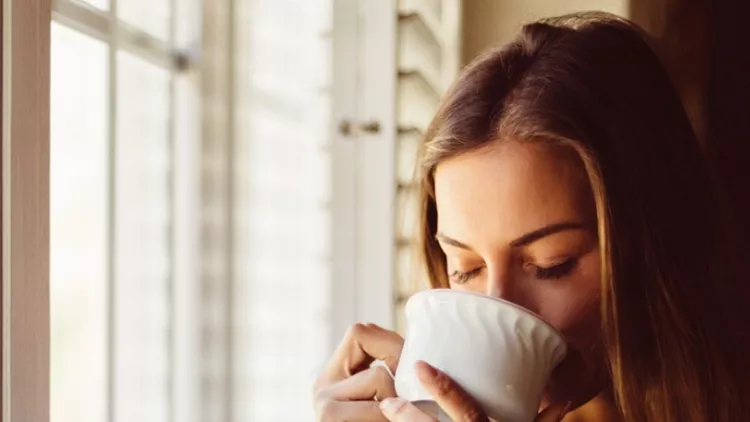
(348, 389)
(452, 399)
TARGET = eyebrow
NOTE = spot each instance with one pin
(524, 240)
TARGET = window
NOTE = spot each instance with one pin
(191, 209)
(116, 165)
(212, 236)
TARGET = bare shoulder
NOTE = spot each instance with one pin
(597, 410)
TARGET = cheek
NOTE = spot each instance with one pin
(573, 305)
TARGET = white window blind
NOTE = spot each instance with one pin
(282, 211)
(428, 61)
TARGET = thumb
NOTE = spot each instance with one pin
(553, 413)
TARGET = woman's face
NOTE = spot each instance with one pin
(517, 221)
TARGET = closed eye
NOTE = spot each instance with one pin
(556, 271)
(461, 277)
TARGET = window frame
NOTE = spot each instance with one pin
(102, 25)
(25, 210)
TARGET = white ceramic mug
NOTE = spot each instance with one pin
(500, 353)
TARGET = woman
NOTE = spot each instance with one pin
(562, 173)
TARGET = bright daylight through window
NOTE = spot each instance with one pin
(174, 296)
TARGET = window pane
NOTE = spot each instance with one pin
(78, 232)
(150, 16)
(142, 264)
(99, 4)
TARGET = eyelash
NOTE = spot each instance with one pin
(460, 277)
(554, 272)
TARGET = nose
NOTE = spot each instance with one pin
(501, 284)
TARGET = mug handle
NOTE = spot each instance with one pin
(382, 364)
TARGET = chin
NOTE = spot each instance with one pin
(577, 379)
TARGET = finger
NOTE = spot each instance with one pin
(365, 385)
(400, 410)
(553, 413)
(454, 401)
(350, 411)
(362, 344)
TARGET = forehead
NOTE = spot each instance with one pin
(506, 190)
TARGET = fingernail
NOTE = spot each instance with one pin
(424, 370)
(565, 410)
(391, 405)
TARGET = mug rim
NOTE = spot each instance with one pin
(494, 299)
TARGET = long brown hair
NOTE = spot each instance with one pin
(670, 305)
